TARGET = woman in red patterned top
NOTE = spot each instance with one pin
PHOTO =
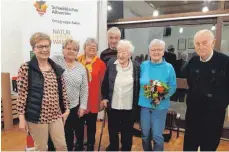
(96, 70)
(42, 104)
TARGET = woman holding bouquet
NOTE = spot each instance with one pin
(158, 83)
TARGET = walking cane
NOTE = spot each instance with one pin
(103, 125)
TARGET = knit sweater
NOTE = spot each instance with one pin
(164, 72)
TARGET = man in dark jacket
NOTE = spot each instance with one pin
(120, 89)
(208, 79)
(114, 36)
(170, 56)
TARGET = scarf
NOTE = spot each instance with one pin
(88, 66)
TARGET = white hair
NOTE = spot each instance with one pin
(114, 30)
(184, 56)
(205, 31)
(157, 41)
(126, 42)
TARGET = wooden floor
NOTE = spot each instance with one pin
(14, 140)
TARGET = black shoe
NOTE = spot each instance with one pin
(78, 148)
(124, 149)
(108, 148)
(90, 147)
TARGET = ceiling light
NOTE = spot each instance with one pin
(181, 30)
(109, 8)
(213, 28)
(155, 13)
(205, 9)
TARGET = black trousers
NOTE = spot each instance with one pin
(72, 126)
(120, 120)
(90, 120)
(203, 128)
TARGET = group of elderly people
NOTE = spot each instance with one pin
(58, 95)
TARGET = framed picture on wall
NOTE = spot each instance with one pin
(190, 43)
(181, 44)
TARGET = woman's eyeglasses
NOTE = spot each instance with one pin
(41, 47)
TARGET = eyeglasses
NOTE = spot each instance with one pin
(157, 50)
(41, 47)
(91, 47)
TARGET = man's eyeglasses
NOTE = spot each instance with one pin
(41, 47)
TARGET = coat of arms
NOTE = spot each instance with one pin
(40, 7)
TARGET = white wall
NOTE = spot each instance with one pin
(225, 40)
(102, 26)
(188, 32)
(11, 36)
(141, 37)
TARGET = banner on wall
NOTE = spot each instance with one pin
(60, 20)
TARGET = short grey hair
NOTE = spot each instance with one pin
(157, 41)
(114, 30)
(89, 41)
(184, 56)
(205, 31)
(126, 42)
(70, 41)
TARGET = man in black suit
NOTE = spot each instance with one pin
(208, 79)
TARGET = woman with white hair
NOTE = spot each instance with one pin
(120, 90)
(154, 118)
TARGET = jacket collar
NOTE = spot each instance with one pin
(33, 63)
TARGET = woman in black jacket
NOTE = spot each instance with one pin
(120, 90)
(42, 104)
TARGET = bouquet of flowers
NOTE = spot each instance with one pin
(155, 90)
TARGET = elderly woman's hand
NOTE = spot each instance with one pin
(103, 103)
(157, 101)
